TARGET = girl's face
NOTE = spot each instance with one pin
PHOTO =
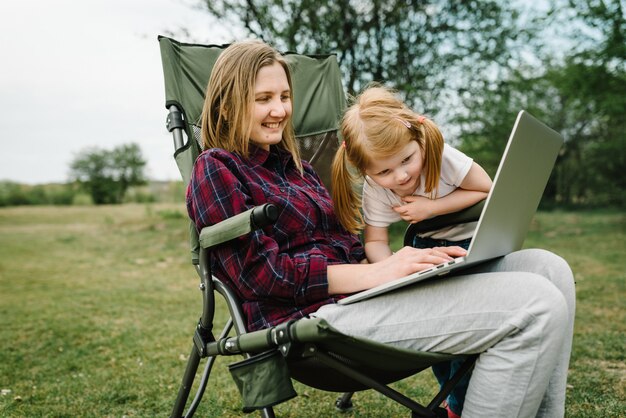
(272, 106)
(400, 172)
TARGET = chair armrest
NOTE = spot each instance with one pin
(469, 214)
(238, 225)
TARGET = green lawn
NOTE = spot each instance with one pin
(98, 306)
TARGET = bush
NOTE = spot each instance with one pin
(107, 174)
(15, 194)
(62, 194)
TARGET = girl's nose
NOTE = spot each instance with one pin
(401, 176)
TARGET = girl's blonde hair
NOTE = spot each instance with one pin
(229, 99)
(378, 125)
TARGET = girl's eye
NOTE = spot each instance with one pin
(382, 173)
(285, 97)
(407, 159)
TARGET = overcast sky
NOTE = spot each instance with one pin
(76, 74)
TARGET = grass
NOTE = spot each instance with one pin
(98, 306)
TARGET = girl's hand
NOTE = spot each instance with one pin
(416, 209)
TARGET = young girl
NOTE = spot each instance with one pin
(410, 174)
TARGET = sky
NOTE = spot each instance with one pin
(78, 74)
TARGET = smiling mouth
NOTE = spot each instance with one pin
(274, 125)
(405, 182)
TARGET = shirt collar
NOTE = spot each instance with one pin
(260, 156)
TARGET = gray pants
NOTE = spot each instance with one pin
(517, 312)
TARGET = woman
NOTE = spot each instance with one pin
(517, 312)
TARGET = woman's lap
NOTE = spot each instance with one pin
(461, 314)
(517, 311)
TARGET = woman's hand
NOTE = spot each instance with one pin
(350, 278)
(410, 260)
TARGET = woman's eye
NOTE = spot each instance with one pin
(285, 97)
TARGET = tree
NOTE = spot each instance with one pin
(107, 174)
(473, 65)
(581, 94)
(425, 49)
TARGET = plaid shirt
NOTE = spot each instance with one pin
(279, 272)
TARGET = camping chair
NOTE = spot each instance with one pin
(307, 350)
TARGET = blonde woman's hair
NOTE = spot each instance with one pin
(229, 99)
(377, 125)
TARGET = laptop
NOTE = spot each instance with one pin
(517, 188)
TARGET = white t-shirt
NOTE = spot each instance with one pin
(378, 202)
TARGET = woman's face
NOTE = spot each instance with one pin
(400, 172)
(272, 106)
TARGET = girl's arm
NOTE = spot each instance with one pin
(474, 188)
(376, 243)
(477, 180)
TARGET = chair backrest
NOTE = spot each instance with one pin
(318, 97)
(318, 101)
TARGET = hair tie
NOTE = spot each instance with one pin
(421, 119)
(343, 144)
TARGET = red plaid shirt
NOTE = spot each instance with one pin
(279, 272)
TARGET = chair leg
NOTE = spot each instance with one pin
(437, 413)
(344, 402)
(267, 413)
(185, 387)
(450, 384)
(416, 409)
(189, 377)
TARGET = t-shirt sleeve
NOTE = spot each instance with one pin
(454, 166)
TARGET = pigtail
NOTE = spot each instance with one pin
(345, 199)
(433, 151)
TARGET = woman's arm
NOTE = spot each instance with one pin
(256, 264)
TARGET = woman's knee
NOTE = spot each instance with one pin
(544, 262)
(555, 269)
(549, 305)
(545, 257)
